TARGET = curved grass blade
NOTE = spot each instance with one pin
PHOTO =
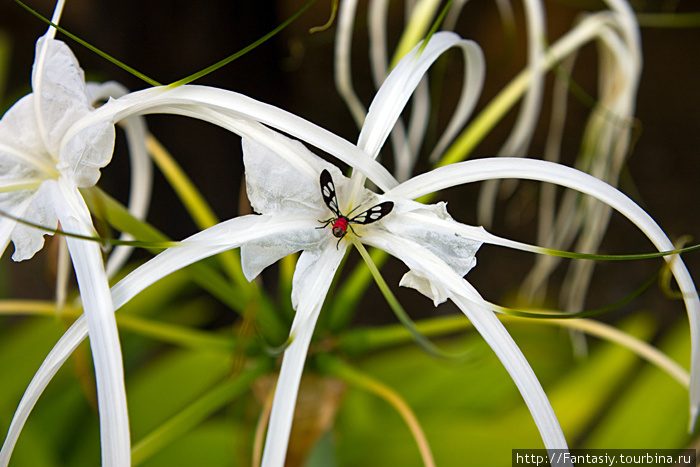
(104, 242)
(102, 54)
(243, 51)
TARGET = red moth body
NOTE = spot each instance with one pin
(340, 226)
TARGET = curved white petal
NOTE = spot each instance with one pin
(503, 345)
(406, 144)
(377, 12)
(431, 227)
(232, 110)
(22, 149)
(220, 237)
(312, 278)
(519, 139)
(53, 362)
(282, 176)
(426, 265)
(407, 156)
(289, 235)
(474, 75)
(56, 17)
(58, 83)
(341, 60)
(40, 210)
(398, 87)
(499, 168)
(104, 337)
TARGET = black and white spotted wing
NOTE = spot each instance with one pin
(330, 197)
(373, 214)
(328, 193)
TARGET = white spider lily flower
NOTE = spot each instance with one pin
(39, 182)
(284, 185)
(30, 146)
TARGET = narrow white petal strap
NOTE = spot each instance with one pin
(544, 171)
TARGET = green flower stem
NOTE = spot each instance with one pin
(416, 29)
(182, 336)
(336, 367)
(669, 20)
(195, 414)
(171, 333)
(352, 291)
(366, 340)
(362, 341)
(398, 310)
(611, 334)
(37, 308)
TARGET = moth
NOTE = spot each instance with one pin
(341, 222)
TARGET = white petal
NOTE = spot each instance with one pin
(24, 164)
(493, 332)
(497, 168)
(221, 237)
(432, 233)
(53, 362)
(377, 12)
(422, 284)
(431, 227)
(39, 209)
(420, 261)
(82, 156)
(289, 236)
(229, 110)
(448, 283)
(473, 82)
(104, 338)
(59, 86)
(312, 278)
(398, 87)
(282, 176)
(22, 150)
